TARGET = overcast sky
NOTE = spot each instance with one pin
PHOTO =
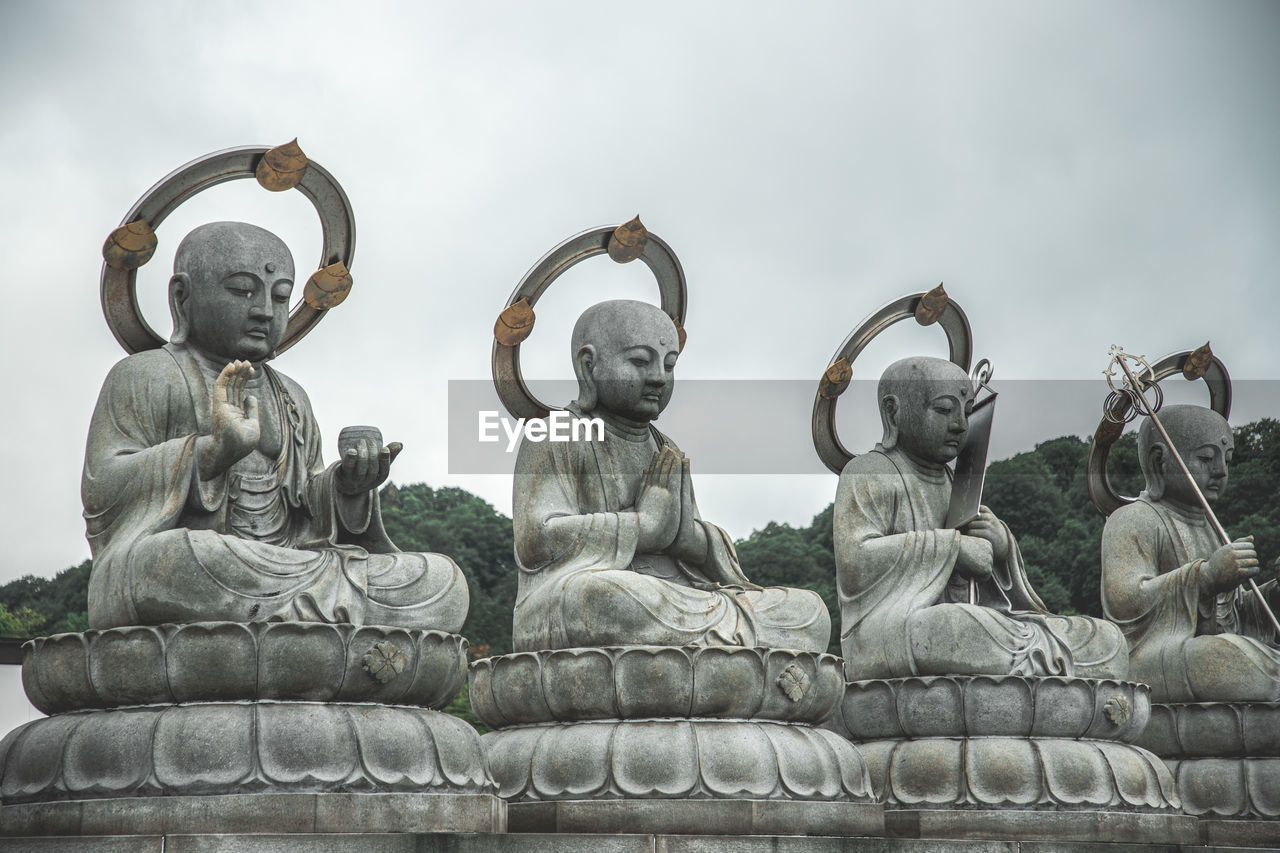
(1079, 174)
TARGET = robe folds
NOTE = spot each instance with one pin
(1186, 641)
(270, 539)
(903, 610)
(583, 583)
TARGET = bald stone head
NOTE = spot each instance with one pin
(230, 291)
(624, 355)
(1204, 441)
(924, 408)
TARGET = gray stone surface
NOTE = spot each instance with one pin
(259, 813)
(655, 681)
(1009, 706)
(1195, 633)
(608, 536)
(1093, 827)
(203, 463)
(227, 661)
(675, 759)
(903, 577)
(699, 817)
(517, 843)
(219, 748)
(1050, 774)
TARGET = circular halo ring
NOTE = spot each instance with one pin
(515, 395)
(119, 287)
(959, 339)
(1102, 494)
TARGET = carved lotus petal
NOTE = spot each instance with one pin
(217, 752)
(807, 768)
(927, 771)
(578, 684)
(1075, 773)
(1003, 771)
(302, 743)
(571, 761)
(998, 706)
(104, 755)
(737, 760)
(212, 661)
(128, 664)
(654, 682)
(654, 759)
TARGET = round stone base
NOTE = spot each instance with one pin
(1018, 773)
(234, 748)
(698, 817)
(675, 760)
(258, 813)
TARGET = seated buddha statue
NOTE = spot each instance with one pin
(1195, 633)
(205, 493)
(611, 547)
(904, 577)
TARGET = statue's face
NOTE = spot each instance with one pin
(634, 367)
(935, 427)
(1206, 446)
(238, 303)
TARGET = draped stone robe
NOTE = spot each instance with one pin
(583, 582)
(270, 539)
(905, 612)
(1188, 643)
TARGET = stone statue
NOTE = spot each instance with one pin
(1194, 633)
(205, 494)
(903, 578)
(611, 548)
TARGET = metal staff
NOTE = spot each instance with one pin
(1134, 393)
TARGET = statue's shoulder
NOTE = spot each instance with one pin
(148, 366)
(873, 462)
(1137, 516)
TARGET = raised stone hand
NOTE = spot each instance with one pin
(1232, 565)
(691, 539)
(658, 503)
(976, 558)
(987, 526)
(235, 428)
(365, 466)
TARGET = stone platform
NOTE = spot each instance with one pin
(219, 727)
(983, 756)
(520, 843)
(662, 739)
(1226, 760)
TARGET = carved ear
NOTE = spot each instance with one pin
(583, 362)
(889, 415)
(179, 290)
(1155, 471)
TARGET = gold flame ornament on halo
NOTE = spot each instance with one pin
(835, 379)
(931, 306)
(327, 287)
(628, 241)
(282, 168)
(515, 323)
(130, 246)
(1198, 362)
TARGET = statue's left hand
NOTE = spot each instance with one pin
(365, 466)
(987, 526)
